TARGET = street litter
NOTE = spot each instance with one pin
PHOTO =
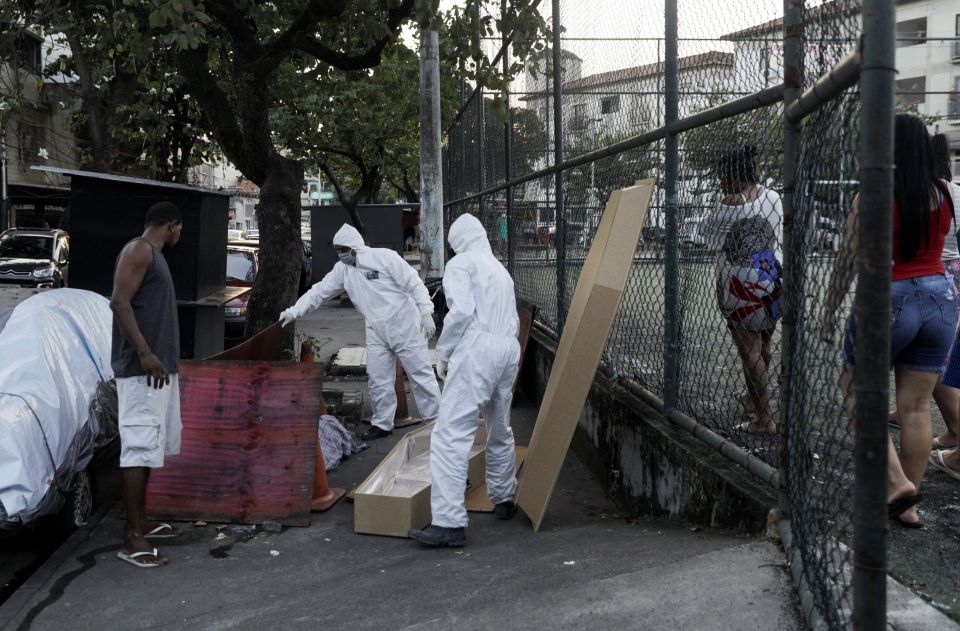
(56, 350)
(569, 562)
(336, 441)
(274, 553)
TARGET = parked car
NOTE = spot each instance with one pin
(34, 258)
(241, 272)
(306, 265)
(827, 235)
(690, 233)
(252, 234)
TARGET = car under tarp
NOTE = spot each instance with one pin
(55, 350)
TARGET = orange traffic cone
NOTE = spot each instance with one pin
(323, 496)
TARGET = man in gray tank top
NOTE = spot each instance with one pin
(145, 358)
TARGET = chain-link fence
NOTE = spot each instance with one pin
(731, 286)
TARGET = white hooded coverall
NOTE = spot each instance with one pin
(479, 344)
(390, 296)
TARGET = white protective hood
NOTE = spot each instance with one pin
(347, 236)
(467, 233)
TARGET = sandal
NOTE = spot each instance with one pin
(936, 461)
(937, 445)
(132, 558)
(163, 531)
(747, 427)
(900, 506)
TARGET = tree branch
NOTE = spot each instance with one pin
(370, 57)
(217, 108)
(303, 27)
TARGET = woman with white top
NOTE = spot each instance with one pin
(746, 231)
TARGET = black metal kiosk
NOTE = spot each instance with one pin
(106, 211)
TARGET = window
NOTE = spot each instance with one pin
(953, 100)
(956, 43)
(31, 139)
(28, 51)
(578, 122)
(912, 32)
(911, 91)
(610, 104)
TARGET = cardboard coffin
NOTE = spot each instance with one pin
(396, 496)
(592, 311)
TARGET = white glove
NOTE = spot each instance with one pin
(427, 326)
(287, 316)
(442, 370)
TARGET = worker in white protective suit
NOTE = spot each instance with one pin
(399, 316)
(479, 344)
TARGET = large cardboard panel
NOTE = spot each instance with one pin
(248, 445)
(592, 311)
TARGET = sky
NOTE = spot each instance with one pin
(607, 34)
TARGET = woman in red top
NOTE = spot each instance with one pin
(923, 308)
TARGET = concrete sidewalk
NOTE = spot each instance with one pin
(589, 568)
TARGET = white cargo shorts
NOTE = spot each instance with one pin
(149, 422)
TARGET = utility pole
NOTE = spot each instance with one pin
(4, 202)
(431, 181)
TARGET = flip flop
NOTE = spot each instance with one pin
(936, 461)
(898, 507)
(161, 532)
(940, 446)
(916, 525)
(132, 558)
(745, 427)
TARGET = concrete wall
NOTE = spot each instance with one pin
(649, 465)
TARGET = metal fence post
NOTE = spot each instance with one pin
(872, 311)
(671, 168)
(559, 218)
(481, 136)
(507, 141)
(793, 251)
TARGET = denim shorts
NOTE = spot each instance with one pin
(923, 322)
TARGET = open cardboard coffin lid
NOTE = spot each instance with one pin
(594, 306)
(396, 496)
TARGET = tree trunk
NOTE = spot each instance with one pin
(280, 261)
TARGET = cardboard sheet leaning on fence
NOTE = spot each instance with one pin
(592, 311)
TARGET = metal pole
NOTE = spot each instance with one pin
(431, 182)
(4, 202)
(4, 219)
(671, 168)
(793, 261)
(481, 131)
(559, 218)
(872, 312)
(507, 141)
(462, 148)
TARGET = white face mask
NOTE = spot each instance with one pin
(347, 258)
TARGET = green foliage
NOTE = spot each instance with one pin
(701, 147)
(130, 111)
(592, 184)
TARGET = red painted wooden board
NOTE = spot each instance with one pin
(248, 445)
